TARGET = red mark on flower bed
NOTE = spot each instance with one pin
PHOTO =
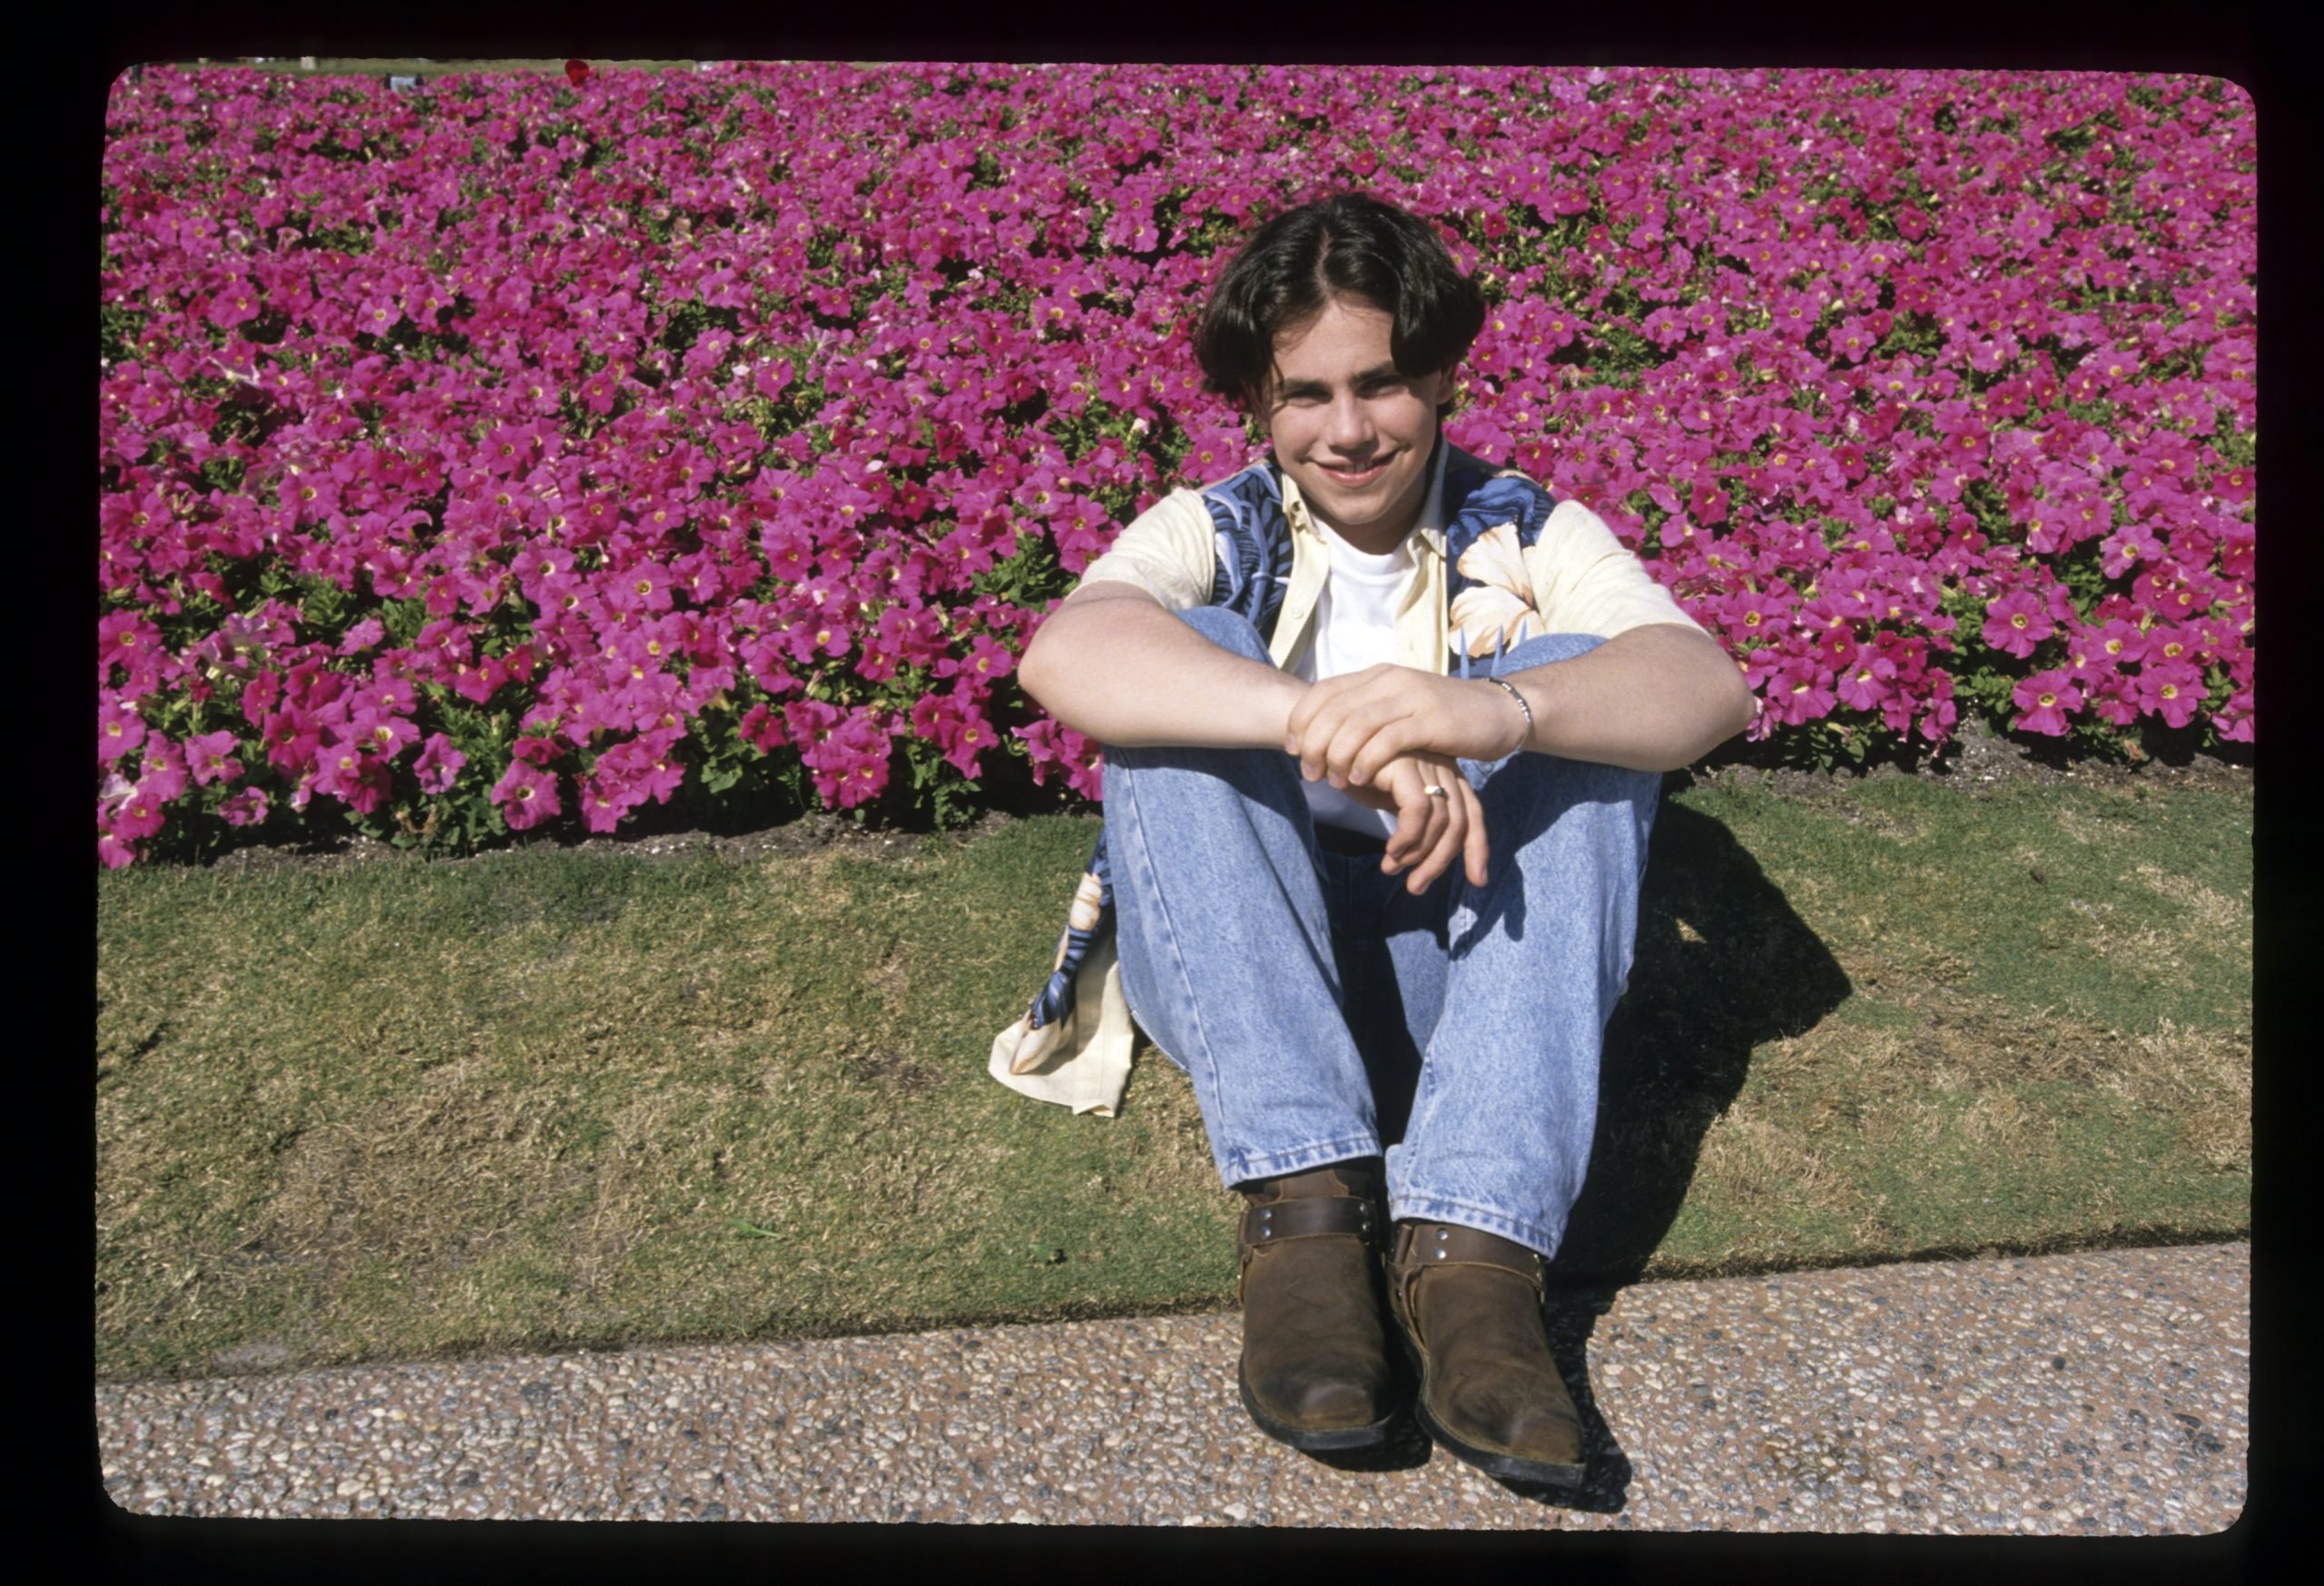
(577, 73)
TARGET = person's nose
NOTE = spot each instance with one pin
(1349, 426)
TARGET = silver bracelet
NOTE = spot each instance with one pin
(1510, 689)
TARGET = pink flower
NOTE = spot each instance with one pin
(763, 728)
(2172, 690)
(955, 723)
(2120, 641)
(1801, 691)
(361, 782)
(2129, 547)
(114, 796)
(120, 729)
(2046, 700)
(643, 587)
(971, 736)
(2234, 719)
(2016, 622)
(526, 795)
(1755, 617)
(381, 733)
(244, 807)
(987, 662)
(1868, 683)
(604, 803)
(476, 681)
(439, 765)
(2169, 642)
(124, 637)
(138, 815)
(645, 766)
(211, 758)
(851, 767)
(2114, 698)
(165, 770)
(234, 303)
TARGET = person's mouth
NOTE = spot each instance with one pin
(1353, 479)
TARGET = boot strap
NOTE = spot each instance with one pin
(1276, 1221)
(1307, 1217)
(1423, 1247)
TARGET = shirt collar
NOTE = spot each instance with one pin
(1430, 526)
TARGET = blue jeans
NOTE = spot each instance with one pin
(1321, 1010)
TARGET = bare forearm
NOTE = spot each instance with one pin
(1651, 699)
(1128, 673)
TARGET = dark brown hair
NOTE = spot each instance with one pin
(1351, 245)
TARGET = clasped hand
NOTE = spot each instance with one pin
(1388, 734)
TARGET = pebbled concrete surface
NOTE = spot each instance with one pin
(2088, 1394)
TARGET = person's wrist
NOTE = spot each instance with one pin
(1516, 703)
(1288, 689)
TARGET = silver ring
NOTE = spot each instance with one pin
(1436, 792)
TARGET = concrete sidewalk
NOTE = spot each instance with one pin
(2088, 1394)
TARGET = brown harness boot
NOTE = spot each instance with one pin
(1469, 1303)
(1314, 1371)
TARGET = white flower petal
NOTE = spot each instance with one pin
(1496, 559)
(1484, 613)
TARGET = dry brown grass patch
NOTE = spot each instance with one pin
(1900, 827)
(2206, 1076)
(2214, 912)
(1756, 1163)
(2087, 828)
(1988, 1049)
(890, 979)
(1177, 1156)
(2156, 950)
(380, 1181)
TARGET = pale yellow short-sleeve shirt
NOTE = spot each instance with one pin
(1583, 579)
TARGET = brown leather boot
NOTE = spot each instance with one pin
(1314, 1371)
(1469, 1303)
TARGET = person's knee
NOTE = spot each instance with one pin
(1544, 649)
(1229, 630)
(1531, 792)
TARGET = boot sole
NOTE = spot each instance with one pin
(1325, 1440)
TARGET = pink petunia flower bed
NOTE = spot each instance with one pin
(506, 451)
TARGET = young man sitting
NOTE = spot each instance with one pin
(1383, 729)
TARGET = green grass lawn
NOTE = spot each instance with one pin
(546, 1099)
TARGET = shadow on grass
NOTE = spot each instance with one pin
(1723, 963)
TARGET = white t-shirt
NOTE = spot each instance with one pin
(1355, 627)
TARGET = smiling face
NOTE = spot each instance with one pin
(1352, 431)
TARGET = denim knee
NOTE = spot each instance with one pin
(1229, 630)
(1541, 650)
